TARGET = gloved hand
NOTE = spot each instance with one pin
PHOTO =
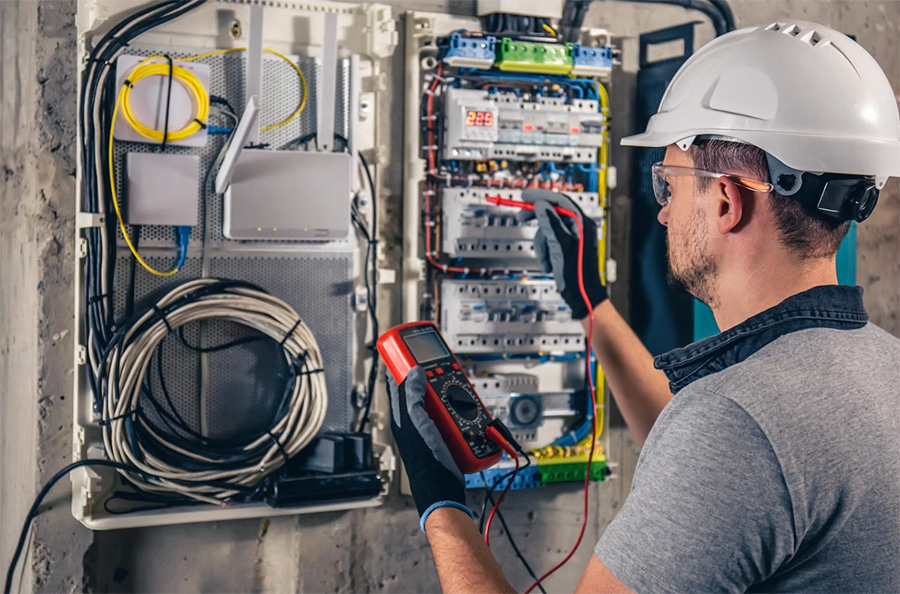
(434, 479)
(556, 246)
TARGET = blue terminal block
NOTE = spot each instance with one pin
(528, 478)
(592, 61)
(471, 52)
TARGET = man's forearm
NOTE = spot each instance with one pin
(640, 390)
(464, 562)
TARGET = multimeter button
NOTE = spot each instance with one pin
(456, 367)
(429, 374)
(439, 371)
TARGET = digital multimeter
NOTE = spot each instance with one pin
(450, 400)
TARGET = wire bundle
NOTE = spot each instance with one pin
(193, 465)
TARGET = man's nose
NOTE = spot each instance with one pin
(663, 216)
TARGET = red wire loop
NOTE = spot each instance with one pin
(587, 474)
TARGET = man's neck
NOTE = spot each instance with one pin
(748, 291)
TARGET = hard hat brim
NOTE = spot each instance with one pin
(649, 140)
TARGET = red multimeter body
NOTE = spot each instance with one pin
(450, 400)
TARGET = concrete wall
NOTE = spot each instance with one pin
(367, 550)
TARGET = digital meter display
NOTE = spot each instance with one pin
(426, 346)
(479, 119)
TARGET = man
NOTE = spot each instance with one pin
(772, 452)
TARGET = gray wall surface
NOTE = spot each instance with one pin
(368, 550)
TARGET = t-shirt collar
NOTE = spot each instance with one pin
(828, 306)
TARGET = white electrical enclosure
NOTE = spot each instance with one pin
(277, 55)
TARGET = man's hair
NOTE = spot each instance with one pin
(804, 231)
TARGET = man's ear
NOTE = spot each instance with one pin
(731, 207)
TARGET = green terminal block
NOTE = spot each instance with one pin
(565, 470)
(545, 58)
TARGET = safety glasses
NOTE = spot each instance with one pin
(663, 193)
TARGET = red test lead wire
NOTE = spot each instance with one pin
(587, 475)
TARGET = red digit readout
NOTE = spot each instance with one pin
(479, 119)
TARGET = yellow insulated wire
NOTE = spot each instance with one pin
(198, 93)
(603, 164)
(549, 29)
(187, 79)
(303, 93)
(112, 187)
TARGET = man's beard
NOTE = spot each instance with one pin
(696, 274)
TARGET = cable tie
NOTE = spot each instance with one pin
(96, 298)
(291, 333)
(128, 84)
(202, 125)
(279, 446)
(159, 313)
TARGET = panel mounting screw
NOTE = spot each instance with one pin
(236, 30)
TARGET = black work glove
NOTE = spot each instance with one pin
(434, 479)
(556, 246)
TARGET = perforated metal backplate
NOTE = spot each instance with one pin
(242, 386)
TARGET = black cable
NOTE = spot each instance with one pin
(132, 271)
(165, 140)
(512, 542)
(372, 297)
(727, 14)
(489, 493)
(33, 512)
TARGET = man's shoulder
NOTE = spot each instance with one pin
(808, 361)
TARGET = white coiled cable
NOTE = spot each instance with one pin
(208, 478)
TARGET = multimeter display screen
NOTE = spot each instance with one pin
(426, 346)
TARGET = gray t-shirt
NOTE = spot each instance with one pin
(779, 473)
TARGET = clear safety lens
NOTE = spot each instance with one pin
(660, 185)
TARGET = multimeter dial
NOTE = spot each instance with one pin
(461, 401)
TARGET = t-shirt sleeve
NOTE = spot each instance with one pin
(709, 509)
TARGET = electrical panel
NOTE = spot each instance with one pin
(493, 113)
(227, 269)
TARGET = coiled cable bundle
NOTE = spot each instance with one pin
(186, 462)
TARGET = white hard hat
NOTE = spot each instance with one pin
(806, 94)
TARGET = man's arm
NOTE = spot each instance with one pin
(640, 390)
(464, 562)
